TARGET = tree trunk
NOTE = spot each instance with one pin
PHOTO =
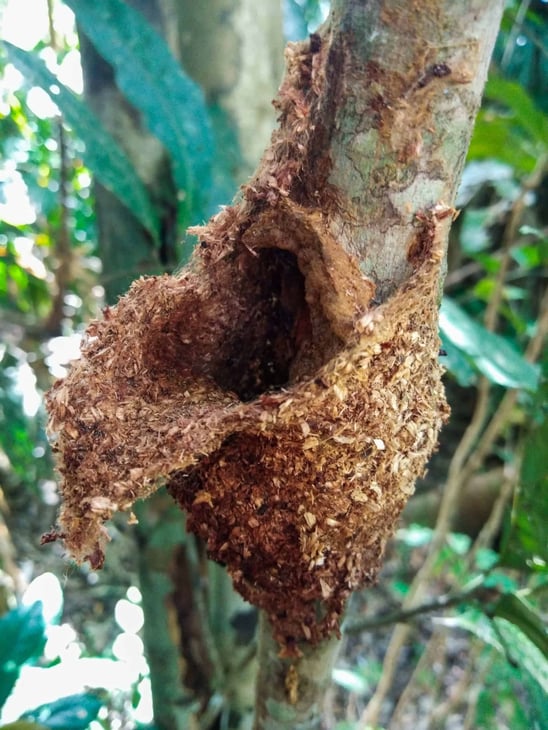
(403, 82)
(287, 387)
(234, 51)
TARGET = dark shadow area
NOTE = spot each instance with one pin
(271, 322)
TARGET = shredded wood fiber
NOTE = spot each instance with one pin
(288, 416)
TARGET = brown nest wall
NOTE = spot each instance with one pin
(288, 416)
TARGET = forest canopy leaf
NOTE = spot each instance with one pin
(103, 155)
(172, 105)
(22, 638)
(524, 111)
(507, 639)
(526, 545)
(74, 712)
(516, 610)
(491, 354)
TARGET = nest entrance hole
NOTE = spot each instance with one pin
(256, 326)
(270, 325)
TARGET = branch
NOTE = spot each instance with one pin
(448, 600)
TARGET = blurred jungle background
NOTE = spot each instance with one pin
(177, 98)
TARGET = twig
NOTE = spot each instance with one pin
(405, 616)
(492, 525)
(459, 275)
(61, 237)
(531, 182)
(456, 694)
(510, 43)
(501, 415)
(435, 647)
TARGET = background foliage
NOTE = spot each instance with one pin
(485, 587)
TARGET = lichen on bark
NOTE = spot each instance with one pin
(288, 413)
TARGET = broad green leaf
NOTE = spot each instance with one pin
(516, 610)
(69, 713)
(23, 725)
(491, 354)
(172, 105)
(103, 155)
(524, 652)
(524, 110)
(494, 138)
(507, 639)
(526, 545)
(22, 638)
(475, 622)
(8, 677)
(22, 634)
(459, 364)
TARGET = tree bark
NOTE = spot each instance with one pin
(403, 83)
(287, 386)
(234, 50)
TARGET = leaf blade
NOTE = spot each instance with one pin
(491, 354)
(172, 105)
(103, 155)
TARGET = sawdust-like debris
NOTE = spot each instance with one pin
(289, 417)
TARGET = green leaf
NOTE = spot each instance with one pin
(22, 634)
(22, 638)
(8, 677)
(458, 363)
(23, 725)
(526, 545)
(494, 138)
(491, 354)
(69, 713)
(459, 543)
(524, 652)
(475, 622)
(172, 105)
(415, 535)
(474, 235)
(530, 256)
(516, 610)
(524, 110)
(507, 639)
(103, 155)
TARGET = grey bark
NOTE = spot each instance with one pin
(403, 83)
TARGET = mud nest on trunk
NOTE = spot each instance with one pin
(288, 415)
